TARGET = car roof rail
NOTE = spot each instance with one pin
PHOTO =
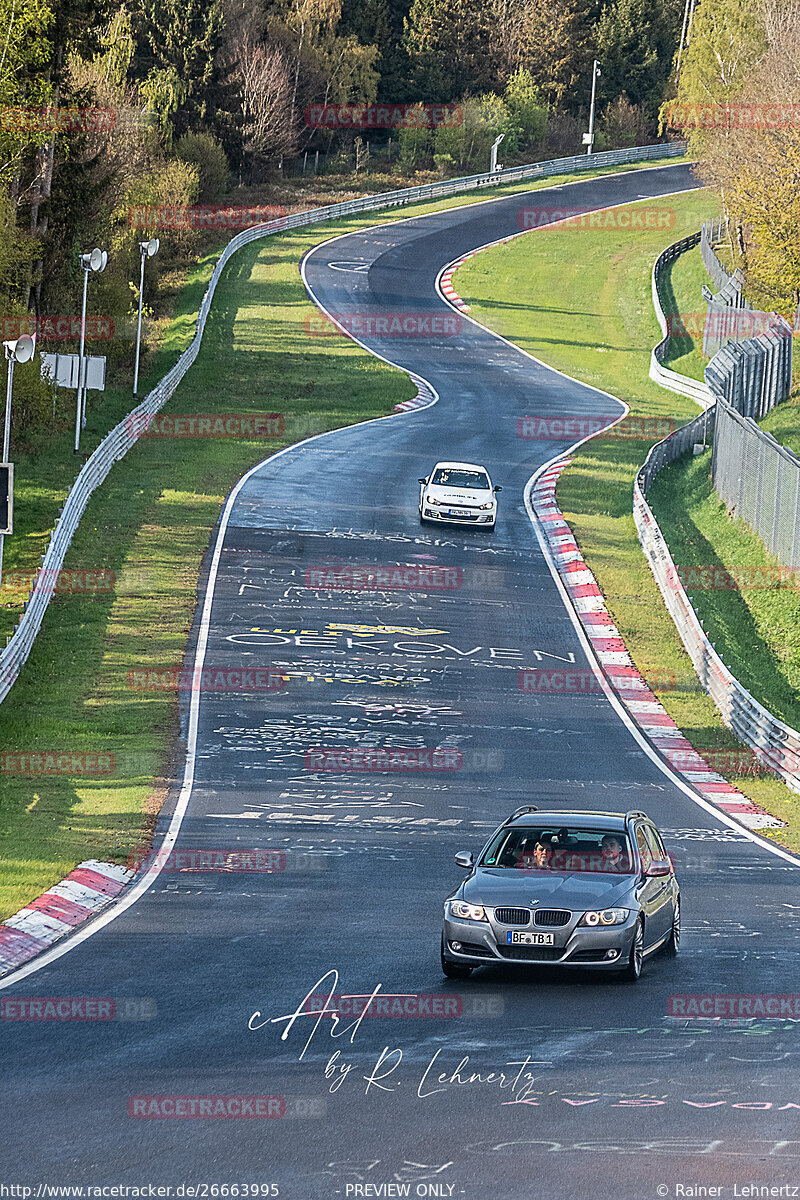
(521, 811)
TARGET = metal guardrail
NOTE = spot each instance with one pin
(666, 378)
(762, 372)
(775, 744)
(118, 442)
(697, 432)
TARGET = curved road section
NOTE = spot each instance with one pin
(330, 879)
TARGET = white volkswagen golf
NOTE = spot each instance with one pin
(458, 493)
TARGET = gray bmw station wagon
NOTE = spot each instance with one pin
(594, 890)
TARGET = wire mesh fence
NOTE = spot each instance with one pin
(711, 234)
(759, 480)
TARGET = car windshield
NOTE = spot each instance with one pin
(448, 477)
(566, 848)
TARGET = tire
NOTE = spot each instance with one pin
(452, 970)
(674, 940)
(636, 957)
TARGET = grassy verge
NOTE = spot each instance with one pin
(148, 525)
(683, 304)
(580, 300)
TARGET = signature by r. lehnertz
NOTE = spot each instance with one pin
(382, 1075)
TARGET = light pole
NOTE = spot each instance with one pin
(493, 157)
(589, 137)
(147, 250)
(96, 261)
(21, 350)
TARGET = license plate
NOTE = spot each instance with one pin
(460, 512)
(518, 938)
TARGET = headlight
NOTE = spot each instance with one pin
(489, 505)
(606, 916)
(467, 912)
(431, 500)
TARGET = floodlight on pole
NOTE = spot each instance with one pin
(147, 250)
(96, 260)
(20, 350)
(493, 157)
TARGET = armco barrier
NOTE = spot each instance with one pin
(675, 382)
(117, 443)
(776, 745)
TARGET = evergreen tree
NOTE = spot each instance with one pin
(178, 62)
(451, 46)
(636, 42)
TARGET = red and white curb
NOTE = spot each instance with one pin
(425, 396)
(81, 895)
(630, 686)
(446, 277)
(446, 282)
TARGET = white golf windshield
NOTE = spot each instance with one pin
(448, 477)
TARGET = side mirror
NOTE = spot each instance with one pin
(464, 859)
(422, 481)
(658, 868)
(498, 488)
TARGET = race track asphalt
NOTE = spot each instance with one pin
(537, 1083)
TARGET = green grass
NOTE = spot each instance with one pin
(681, 295)
(580, 300)
(755, 627)
(784, 421)
(149, 524)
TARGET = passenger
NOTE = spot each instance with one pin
(541, 856)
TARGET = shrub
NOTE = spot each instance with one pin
(204, 152)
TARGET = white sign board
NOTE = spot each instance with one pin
(62, 369)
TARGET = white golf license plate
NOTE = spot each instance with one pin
(516, 937)
(460, 512)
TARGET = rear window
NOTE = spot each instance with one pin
(567, 849)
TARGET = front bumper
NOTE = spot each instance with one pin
(586, 947)
(480, 518)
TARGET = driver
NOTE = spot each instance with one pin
(536, 859)
(613, 856)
